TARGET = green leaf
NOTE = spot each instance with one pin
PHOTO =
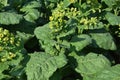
(17, 71)
(46, 33)
(3, 66)
(31, 5)
(45, 38)
(7, 18)
(53, 0)
(91, 64)
(24, 36)
(110, 74)
(113, 19)
(80, 41)
(66, 3)
(3, 3)
(32, 15)
(17, 60)
(110, 3)
(103, 40)
(41, 66)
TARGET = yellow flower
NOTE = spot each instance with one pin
(3, 59)
(51, 18)
(5, 32)
(1, 35)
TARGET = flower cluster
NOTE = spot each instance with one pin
(8, 45)
(88, 22)
(60, 16)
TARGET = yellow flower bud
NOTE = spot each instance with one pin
(5, 32)
(5, 39)
(1, 35)
(51, 18)
(3, 59)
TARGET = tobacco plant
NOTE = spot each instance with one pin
(59, 39)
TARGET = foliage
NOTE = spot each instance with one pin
(59, 39)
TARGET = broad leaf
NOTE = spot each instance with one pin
(81, 41)
(32, 15)
(30, 5)
(41, 66)
(103, 40)
(45, 38)
(7, 18)
(110, 3)
(43, 33)
(113, 19)
(112, 73)
(91, 64)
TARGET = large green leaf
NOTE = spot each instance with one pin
(112, 73)
(41, 66)
(103, 40)
(113, 19)
(45, 38)
(91, 64)
(80, 41)
(7, 18)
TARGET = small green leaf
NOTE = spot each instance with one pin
(66, 3)
(24, 36)
(3, 66)
(41, 66)
(3, 3)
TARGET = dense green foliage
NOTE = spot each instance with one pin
(59, 39)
